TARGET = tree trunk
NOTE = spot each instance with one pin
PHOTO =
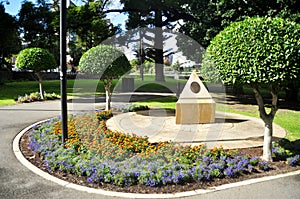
(38, 74)
(158, 45)
(142, 72)
(107, 86)
(107, 99)
(267, 147)
(268, 120)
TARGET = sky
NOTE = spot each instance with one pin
(14, 7)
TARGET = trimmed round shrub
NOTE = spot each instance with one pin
(257, 51)
(105, 61)
(36, 59)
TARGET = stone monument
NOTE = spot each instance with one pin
(195, 105)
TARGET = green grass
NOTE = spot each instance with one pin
(162, 102)
(287, 119)
(150, 85)
(10, 91)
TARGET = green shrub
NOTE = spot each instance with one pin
(257, 51)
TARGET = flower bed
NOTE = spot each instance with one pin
(121, 159)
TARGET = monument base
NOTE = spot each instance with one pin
(195, 111)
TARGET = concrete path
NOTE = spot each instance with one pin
(229, 130)
(16, 181)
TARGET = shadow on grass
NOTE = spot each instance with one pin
(124, 97)
(249, 99)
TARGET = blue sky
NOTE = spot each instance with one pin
(15, 5)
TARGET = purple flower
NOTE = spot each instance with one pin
(230, 172)
(264, 165)
(293, 161)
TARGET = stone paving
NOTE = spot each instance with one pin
(229, 130)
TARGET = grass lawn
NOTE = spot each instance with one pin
(10, 91)
(150, 85)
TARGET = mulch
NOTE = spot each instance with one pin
(278, 167)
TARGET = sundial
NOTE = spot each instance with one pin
(195, 105)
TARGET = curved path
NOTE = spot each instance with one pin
(16, 181)
(230, 130)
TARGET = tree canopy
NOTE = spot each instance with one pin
(36, 26)
(258, 52)
(105, 61)
(213, 16)
(9, 37)
(155, 15)
(36, 59)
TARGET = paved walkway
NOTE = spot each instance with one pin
(229, 131)
(16, 181)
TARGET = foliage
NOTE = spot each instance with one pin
(104, 115)
(293, 161)
(135, 107)
(9, 38)
(105, 61)
(257, 51)
(209, 73)
(89, 24)
(36, 59)
(88, 28)
(88, 152)
(213, 16)
(154, 14)
(36, 24)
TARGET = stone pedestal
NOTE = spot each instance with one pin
(195, 104)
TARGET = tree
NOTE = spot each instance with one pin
(36, 59)
(213, 16)
(36, 24)
(9, 37)
(261, 53)
(154, 14)
(107, 62)
(87, 27)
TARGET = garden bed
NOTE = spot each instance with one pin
(185, 184)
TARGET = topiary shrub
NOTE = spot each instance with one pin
(106, 61)
(261, 53)
(36, 59)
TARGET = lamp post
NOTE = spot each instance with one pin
(63, 69)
